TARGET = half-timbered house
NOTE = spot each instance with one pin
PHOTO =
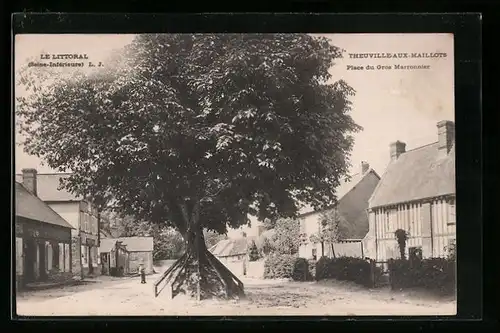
(415, 194)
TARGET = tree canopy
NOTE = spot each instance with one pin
(328, 229)
(232, 124)
(286, 238)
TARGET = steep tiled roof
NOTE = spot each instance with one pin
(106, 244)
(346, 185)
(352, 205)
(231, 247)
(48, 187)
(137, 244)
(31, 207)
(417, 174)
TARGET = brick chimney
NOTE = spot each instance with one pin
(29, 180)
(446, 136)
(397, 148)
(364, 167)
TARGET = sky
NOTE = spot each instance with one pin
(390, 105)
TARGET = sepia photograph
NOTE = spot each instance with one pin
(223, 174)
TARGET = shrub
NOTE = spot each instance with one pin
(304, 270)
(279, 266)
(346, 269)
(253, 252)
(437, 274)
(322, 268)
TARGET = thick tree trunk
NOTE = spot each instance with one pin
(198, 273)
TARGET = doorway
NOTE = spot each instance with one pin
(91, 266)
(41, 266)
(29, 252)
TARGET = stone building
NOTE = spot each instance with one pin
(79, 212)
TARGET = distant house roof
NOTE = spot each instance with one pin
(346, 185)
(417, 174)
(134, 244)
(48, 187)
(231, 247)
(352, 206)
(107, 244)
(31, 207)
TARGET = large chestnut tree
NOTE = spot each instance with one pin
(198, 131)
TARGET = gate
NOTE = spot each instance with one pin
(381, 275)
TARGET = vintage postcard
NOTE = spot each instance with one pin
(234, 174)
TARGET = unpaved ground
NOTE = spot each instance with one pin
(129, 297)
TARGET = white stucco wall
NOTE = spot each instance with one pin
(68, 210)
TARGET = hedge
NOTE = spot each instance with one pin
(346, 269)
(283, 266)
(279, 266)
(437, 274)
(304, 270)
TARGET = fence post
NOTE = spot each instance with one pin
(390, 273)
(372, 273)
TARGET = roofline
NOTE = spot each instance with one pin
(423, 146)
(46, 205)
(231, 255)
(52, 224)
(412, 201)
(63, 201)
(371, 170)
(49, 173)
(388, 165)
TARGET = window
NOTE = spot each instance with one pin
(451, 213)
(94, 256)
(85, 255)
(87, 222)
(315, 254)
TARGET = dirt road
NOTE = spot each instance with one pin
(329, 298)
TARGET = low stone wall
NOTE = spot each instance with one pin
(255, 269)
(236, 267)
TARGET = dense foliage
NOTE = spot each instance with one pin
(329, 229)
(286, 238)
(279, 266)
(304, 270)
(198, 131)
(401, 237)
(266, 247)
(168, 242)
(220, 125)
(253, 252)
(436, 274)
(345, 268)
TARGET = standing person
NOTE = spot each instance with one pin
(142, 272)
